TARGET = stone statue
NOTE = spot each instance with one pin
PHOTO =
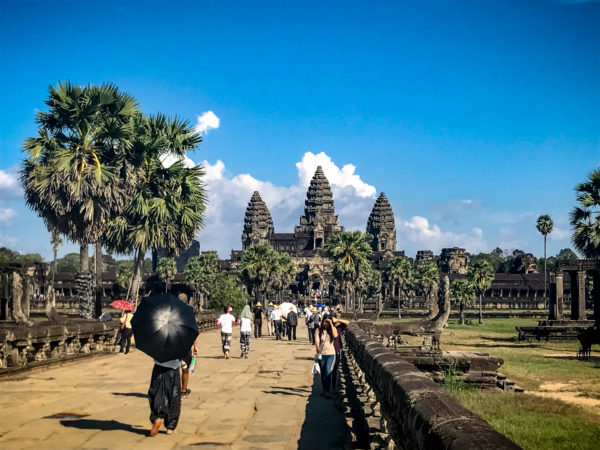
(441, 319)
(50, 307)
(432, 301)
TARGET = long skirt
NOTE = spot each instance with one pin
(226, 341)
(245, 341)
(165, 396)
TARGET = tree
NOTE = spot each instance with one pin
(368, 283)
(167, 208)
(481, 275)
(400, 273)
(56, 242)
(257, 269)
(77, 174)
(585, 218)
(283, 274)
(462, 293)
(427, 277)
(124, 271)
(545, 226)
(199, 274)
(225, 292)
(69, 263)
(348, 250)
(167, 269)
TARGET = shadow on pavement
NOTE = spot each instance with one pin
(130, 394)
(274, 391)
(324, 425)
(104, 425)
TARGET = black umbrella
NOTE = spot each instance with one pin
(164, 327)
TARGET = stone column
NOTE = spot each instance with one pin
(596, 295)
(578, 295)
(556, 305)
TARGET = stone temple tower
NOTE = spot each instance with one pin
(258, 224)
(381, 226)
(319, 219)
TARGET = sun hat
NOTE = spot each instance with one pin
(258, 304)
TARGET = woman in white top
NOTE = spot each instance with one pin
(245, 330)
(226, 322)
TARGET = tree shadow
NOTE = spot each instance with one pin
(103, 425)
(279, 392)
(130, 394)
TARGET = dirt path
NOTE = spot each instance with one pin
(266, 401)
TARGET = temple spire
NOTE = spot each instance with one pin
(381, 225)
(258, 224)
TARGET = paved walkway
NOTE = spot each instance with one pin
(266, 401)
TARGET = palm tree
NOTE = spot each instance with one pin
(77, 174)
(199, 274)
(284, 273)
(368, 283)
(427, 277)
(348, 250)
(585, 218)
(462, 293)
(166, 209)
(56, 242)
(481, 275)
(545, 226)
(400, 272)
(167, 269)
(257, 268)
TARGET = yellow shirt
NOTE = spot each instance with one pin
(126, 319)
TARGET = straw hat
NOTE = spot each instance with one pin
(270, 303)
(258, 304)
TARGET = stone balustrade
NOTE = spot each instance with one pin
(402, 407)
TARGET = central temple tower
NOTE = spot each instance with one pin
(319, 219)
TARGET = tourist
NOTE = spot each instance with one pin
(276, 315)
(258, 320)
(340, 326)
(292, 322)
(186, 363)
(245, 331)
(314, 322)
(324, 339)
(307, 314)
(126, 331)
(226, 321)
(270, 309)
(164, 395)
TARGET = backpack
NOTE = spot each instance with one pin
(316, 320)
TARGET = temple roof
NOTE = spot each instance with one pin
(257, 215)
(382, 217)
(319, 199)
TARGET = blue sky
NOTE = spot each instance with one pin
(473, 117)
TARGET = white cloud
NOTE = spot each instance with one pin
(169, 159)
(7, 215)
(559, 234)
(9, 183)
(207, 121)
(425, 236)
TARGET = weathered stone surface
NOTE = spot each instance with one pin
(381, 225)
(258, 224)
(453, 260)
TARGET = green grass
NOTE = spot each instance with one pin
(534, 422)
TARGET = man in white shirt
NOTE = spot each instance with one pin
(226, 322)
(276, 316)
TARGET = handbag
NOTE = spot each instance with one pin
(316, 369)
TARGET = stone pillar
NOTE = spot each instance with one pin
(557, 303)
(596, 296)
(578, 295)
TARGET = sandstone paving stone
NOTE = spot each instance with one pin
(259, 402)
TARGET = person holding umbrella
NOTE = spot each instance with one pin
(164, 328)
(126, 331)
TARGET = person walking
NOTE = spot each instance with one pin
(245, 331)
(315, 322)
(324, 339)
(185, 370)
(307, 320)
(292, 323)
(226, 321)
(164, 396)
(258, 320)
(340, 325)
(276, 316)
(270, 309)
(126, 331)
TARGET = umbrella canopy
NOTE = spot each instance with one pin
(320, 305)
(164, 327)
(286, 307)
(123, 304)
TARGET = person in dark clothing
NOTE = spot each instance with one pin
(292, 322)
(164, 395)
(258, 320)
(340, 325)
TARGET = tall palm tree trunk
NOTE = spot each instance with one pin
(84, 258)
(461, 313)
(545, 284)
(137, 274)
(55, 250)
(481, 308)
(98, 266)
(398, 297)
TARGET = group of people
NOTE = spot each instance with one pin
(280, 322)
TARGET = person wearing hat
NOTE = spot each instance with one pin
(270, 309)
(313, 323)
(258, 320)
(276, 316)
